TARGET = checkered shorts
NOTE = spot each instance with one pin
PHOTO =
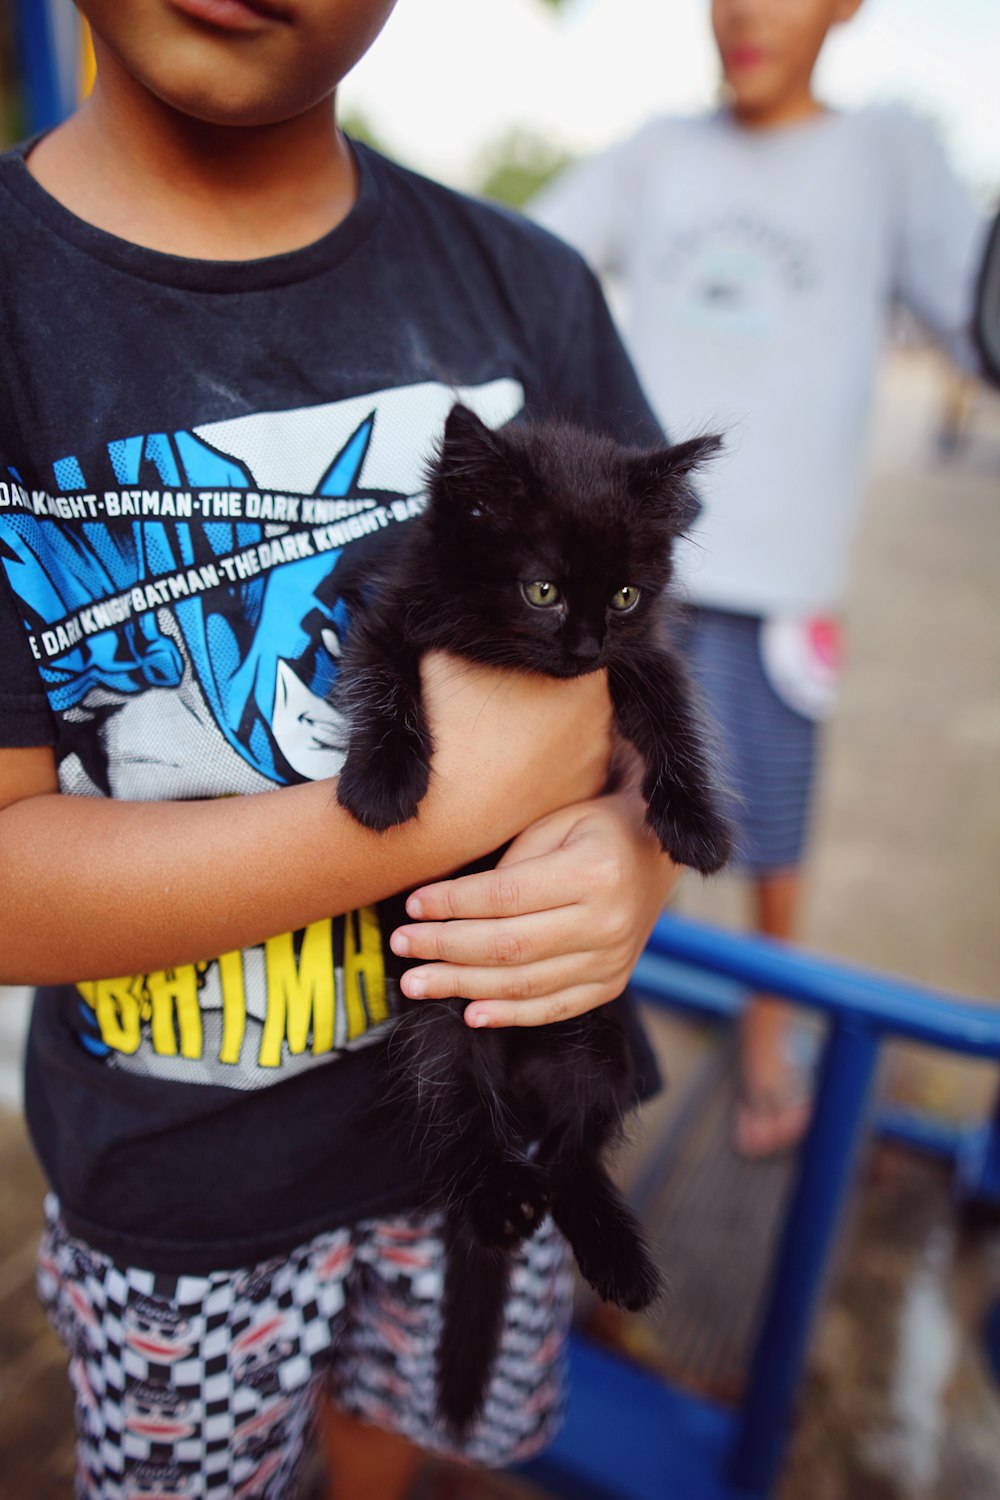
(209, 1386)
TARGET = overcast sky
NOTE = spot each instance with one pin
(447, 77)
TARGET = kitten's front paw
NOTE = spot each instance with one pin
(509, 1204)
(382, 787)
(692, 835)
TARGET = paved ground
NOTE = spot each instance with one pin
(897, 1405)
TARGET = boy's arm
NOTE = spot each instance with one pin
(91, 888)
(940, 238)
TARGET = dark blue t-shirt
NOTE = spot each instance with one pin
(193, 454)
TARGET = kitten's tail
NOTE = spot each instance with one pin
(476, 1279)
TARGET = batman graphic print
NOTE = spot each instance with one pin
(184, 597)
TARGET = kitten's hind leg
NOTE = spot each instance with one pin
(450, 1083)
(655, 709)
(509, 1202)
(577, 1074)
(605, 1235)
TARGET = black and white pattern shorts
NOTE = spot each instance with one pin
(206, 1387)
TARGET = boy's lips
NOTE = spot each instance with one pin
(235, 15)
(743, 57)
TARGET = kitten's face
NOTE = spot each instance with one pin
(552, 545)
(568, 584)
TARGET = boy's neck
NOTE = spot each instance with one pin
(790, 109)
(133, 166)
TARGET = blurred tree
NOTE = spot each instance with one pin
(519, 165)
(358, 126)
(11, 112)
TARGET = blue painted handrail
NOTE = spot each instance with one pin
(883, 1004)
(863, 1009)
(48, 69)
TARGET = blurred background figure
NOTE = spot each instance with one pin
(759, 249)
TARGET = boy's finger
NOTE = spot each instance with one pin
(543, 1011)
(533, 885)
(527, 982)
(504, 942)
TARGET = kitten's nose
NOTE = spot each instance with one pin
(585, 652)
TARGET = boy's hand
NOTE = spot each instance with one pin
(555, 930)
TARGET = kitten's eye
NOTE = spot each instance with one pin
(625, 599)
(541, 595)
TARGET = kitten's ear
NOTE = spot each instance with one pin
(472, 471)
(659, 478)
(464, 432)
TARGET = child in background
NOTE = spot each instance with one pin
(231, 339)
(759, 249)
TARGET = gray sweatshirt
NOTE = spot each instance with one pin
(756, 271)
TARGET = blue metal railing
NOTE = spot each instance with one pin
(863, 1009)
(685, 1449)
(883, 1004)
(46, 33)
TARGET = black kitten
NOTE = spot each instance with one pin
(543, 548)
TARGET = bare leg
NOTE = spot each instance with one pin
(365, 1462)
(774, 1115)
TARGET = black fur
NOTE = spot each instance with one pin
(512, 1124)
(539, 503)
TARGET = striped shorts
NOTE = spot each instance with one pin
(205, 1387)
(766, 750)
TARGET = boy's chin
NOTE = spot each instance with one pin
(220, 76)
(759, 89)
(244, 107)
(234, 90)
(750, 100)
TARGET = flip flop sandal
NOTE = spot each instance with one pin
(768, 1106)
